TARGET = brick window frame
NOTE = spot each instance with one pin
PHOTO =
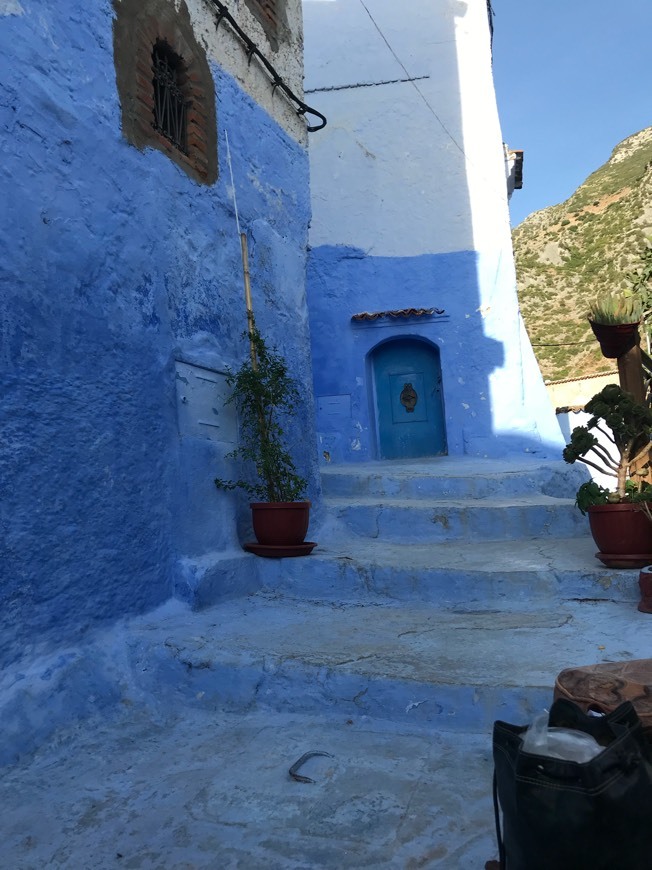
(139, 25)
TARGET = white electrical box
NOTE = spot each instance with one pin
(201, 411)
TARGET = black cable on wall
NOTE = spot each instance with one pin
(278, 83)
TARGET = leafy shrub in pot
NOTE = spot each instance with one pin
(626, 427)
(265, 394)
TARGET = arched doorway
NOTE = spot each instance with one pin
(408, 396)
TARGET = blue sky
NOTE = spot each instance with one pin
(573, 78)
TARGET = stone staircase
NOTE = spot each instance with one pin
(453, 500)
(488, 533)
(442, 596)
(446, 593)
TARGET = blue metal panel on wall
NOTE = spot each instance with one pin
(202, 410)
(410, 415)
(332, 411)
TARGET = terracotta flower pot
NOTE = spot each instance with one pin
(280, 523)
(623, 534)
(645, 586)
(616, 338)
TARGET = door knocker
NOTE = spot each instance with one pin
(409, 398)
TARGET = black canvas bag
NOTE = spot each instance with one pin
(563, 815)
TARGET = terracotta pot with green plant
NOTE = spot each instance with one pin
(265, 395)
(620, 519)
(614, 319)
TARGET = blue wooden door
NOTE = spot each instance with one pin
(409, 406)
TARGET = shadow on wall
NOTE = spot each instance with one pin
(118, 266)
(403, 250)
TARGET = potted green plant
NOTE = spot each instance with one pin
(265, 395)
(614, 319)
(620, 519)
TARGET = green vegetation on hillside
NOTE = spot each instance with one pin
(568, 253)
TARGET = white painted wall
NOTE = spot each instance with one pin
(578, 391)
(433, 166)
(412, 163)
(573, 393)
(226, 49)
(571, 420)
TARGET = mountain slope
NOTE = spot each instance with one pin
(568, 253)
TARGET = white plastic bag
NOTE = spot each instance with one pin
(565, 743)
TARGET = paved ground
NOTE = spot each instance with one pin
(410, 664)
(207, 791)
(402, 698)
(395, 660)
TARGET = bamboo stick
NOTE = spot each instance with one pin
(248, 302)
(244, 251)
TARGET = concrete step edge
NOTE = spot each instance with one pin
(536, 500)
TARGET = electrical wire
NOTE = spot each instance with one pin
(411, 79)
(566, 344)
(422, 95)
(235, 201)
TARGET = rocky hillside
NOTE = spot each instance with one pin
(567, 253)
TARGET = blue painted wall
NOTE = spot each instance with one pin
(344, 281)
(114, 265)
(410, 210)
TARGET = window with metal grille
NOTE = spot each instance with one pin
(167, 93)
(170, 103)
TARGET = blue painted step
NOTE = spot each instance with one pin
(454, 499)
(452, 670)
(502, 575)
(446, 530)
(453, 477)
(439, 520)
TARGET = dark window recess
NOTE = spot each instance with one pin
(167, 93)
(170, 105)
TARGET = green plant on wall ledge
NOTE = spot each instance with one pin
(264, 393)
(627, 428)
(617, 306)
